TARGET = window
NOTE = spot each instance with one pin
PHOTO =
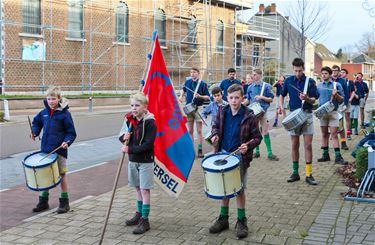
(160, 26)
(31, 16)
(75, 24)
(220, 36)
(192, 32)
(122, 23)
(256, 50)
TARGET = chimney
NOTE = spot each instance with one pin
(261, 8)
(273, 8)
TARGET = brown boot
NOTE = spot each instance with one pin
(220, 225)
(134, 220)
(42, 205)
(63, 206)
(142, 227)
(241, 228)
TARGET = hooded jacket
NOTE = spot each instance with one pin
(249, 132)
(57, 128)
(143, 134)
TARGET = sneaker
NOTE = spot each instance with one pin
(63, 206)
(134, 220)
(200, 153)
(324, 158)
(273, 158)
(294, 177)
(42, 205)
(344, 146)
(256, 155)
(241, 228)
(143, 226)
(340, 160)
(220, 225)
(310, 180)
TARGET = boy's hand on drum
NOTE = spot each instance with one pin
(259, 97)
(302, 96)
(125, 148)
(243, 148)
(64, 145)
(215, 139)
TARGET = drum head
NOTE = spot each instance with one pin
(34, 159)
(213, 163)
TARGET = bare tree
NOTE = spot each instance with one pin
(367, 44)
(349, 52)
(311, 19)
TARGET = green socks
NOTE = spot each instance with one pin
(325, 150)
(145, 210)
(257, 150)
(267, 140)
(139, 206)
(224, 211)
(241, 213)
(64, 195)
(199, 146)
(44, 194)
(337, 152)
(295, 167)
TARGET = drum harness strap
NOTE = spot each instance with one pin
(305, 92)
(196, 89)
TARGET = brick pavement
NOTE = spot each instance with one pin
(278, 212)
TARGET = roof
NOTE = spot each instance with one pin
(362, 58)
(244, 4)
(324, 53)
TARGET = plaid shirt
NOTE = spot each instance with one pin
(250, 133)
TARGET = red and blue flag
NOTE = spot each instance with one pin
(174, 148)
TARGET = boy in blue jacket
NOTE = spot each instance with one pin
(58, 130)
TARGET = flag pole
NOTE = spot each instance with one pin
(148, 63)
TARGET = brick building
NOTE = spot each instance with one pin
(103, 45)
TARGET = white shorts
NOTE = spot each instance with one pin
(362, 103)
(330, 119)
(285, 106)
(354, 111)
(141, 175)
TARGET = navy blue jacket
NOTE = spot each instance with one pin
(57, 128)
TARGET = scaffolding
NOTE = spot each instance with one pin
(98, 62)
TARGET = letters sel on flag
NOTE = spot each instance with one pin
(174, 148)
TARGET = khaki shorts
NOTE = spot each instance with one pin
(141, 175)
(61, 163)
(306, 129)
(362, 103)
(285, 106)
(194, 116)
(330, 119)
(347, 109)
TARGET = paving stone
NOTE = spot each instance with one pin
(293, 241)
(270, 239)
(44, 242)
(25, 240)
(8, 237)
(87, 240)
(149, 239)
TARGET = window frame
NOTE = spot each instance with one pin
(122, 13)
(36, 24)
(75, 18)
(162, 34)
(220, 36)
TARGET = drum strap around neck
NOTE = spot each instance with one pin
(305, 87)
(196, 89)
(262, 90)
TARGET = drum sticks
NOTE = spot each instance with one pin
(51, 152)
(31, 128)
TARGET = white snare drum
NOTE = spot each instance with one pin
(189, 108)
(295, 119)
(257, 109)
(324, 109)
(41, 175)
(222, 178)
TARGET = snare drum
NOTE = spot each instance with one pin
(189, 108)
(40, 174)
(257, 109)
(222, 178)
(295, 119)
(324, 109)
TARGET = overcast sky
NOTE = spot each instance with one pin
(350, 20)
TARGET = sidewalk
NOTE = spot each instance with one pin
(278, 212)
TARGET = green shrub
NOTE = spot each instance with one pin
(1, 116)
(361, 162)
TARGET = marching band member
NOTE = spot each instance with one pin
(307, 129)
(348, 96)
(196, 91)
(140, 148)
(261, 92)
(330, 91)
(236, 128)
(58, 130)
(213, 107)
(279, 87)
(364, 93)
(226, 83)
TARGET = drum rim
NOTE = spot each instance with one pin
(39, 166)
(44, 189)
(222, 197)
(220, 170)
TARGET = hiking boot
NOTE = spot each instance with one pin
(294, 177)
(340, 160)
(142, 227)
(310, 180)
(63, 206)
(324, 158)
(42, 205)
(134, 220)
(274, 124)
(344, 146)
(200, 153)
(273, 158)
(256, 155)
(241, 228)
(220, 225)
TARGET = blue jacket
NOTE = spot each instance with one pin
(57, 128)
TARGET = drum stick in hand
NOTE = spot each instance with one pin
(232, 153)
(50, 153)
(31, 128)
